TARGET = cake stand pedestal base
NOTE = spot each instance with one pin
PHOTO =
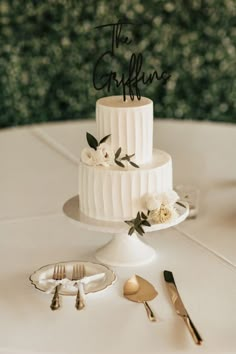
(125, 250)
(122, 250)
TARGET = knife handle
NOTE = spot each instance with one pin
(192, 329)
(150, 314)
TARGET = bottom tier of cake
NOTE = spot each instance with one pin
(116, 194)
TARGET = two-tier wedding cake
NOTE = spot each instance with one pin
(120, 174)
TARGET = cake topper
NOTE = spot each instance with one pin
(129, 82)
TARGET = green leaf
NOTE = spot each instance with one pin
(131, 230)
(143, 215)
(146, 223)
(104, 139)
(133, 164)
(129, 222)
(125, 158)
(139, 230)
(138, 217)
(92, 141)
(117, 154)
(130, 156)
(119, 163)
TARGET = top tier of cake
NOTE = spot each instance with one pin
(130, 124)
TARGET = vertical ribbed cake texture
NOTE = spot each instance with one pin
(116, 194)
(130, 124)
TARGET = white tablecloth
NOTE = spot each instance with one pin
(39, 172)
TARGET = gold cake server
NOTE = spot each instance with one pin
(140, 290)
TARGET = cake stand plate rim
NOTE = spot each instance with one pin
(71, 210)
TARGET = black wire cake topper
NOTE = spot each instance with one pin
(135, 76)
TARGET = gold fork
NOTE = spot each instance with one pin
(59, 273)
(78, 274)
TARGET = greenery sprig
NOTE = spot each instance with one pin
(93, 142)
(137, 223)
(127, 158)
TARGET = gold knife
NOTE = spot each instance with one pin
(179, 306)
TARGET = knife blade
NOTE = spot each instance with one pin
(179, 306)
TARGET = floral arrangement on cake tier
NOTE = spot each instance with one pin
(100, 153)
(160, 209)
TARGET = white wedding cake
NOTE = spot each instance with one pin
(120, 174)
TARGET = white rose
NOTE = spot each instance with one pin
(88, 156)
(102, 156)
(169, 198)
(153, 202)
(106, 154)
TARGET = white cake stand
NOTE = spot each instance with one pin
(122, 249)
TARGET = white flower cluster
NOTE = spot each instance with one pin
(161, 206)
(103, 155)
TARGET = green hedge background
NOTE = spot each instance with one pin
(48, 50)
